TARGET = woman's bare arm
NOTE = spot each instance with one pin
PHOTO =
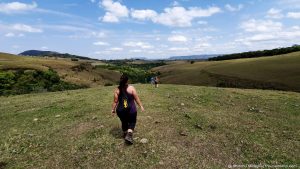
(114, 104)
(137, 99)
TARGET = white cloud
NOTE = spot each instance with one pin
(175, 16)
(253, 25)
(115, 10)
(16, 46)
(274, 14)
(98, 34)
(142, 45)
(44, 48)
(178, 49)
(202, 45)
(99, 43)
(109, 17)
(294, 15)
(102, 52)
(181, 17)
(143, 14)
(10, 34)
(202, 22)
(281, 37)
(66, 28)
(234, 9)
(177, 38)
(116, 49)
(23, 28)
(135, 51)
(257, 38)
(16, 7)
(289, 3)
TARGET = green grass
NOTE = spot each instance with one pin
(277, 72)
(74, 129)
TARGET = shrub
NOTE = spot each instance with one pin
(28, 81)
(108, 84)
(74, 59)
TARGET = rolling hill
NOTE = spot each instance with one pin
(194, 127)
(279, 72)
(82, 72)
(193, 57)
(41, 53)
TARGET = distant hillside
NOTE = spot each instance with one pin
(193, 57)
(279, 72)
(82, 72)
(52, 54)
(255, 54)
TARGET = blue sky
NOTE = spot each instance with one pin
(117, 29)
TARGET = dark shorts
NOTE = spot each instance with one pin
(128, 120)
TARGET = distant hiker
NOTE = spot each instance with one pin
(156, 80)
(152, 80)
(125, 97)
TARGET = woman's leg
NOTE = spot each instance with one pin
(131, 121)
(124, 120)
(131, 126)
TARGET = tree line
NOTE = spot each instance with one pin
(254, 54)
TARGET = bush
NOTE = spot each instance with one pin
(74, 59)
(137, 73)
(108, 84)
(28, 81)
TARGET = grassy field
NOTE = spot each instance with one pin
(277, 72)
(196, 127)
(80, 72)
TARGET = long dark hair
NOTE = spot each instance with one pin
(123, 83)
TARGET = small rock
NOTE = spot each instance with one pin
(182, 104)
(183, 133)
(198, 126)
(57, 116)
(94, 118)
(35, 119)
(101, 126)
(161, 163)
(144, 140)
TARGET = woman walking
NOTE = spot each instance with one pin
(156, 80)
(125, 97)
